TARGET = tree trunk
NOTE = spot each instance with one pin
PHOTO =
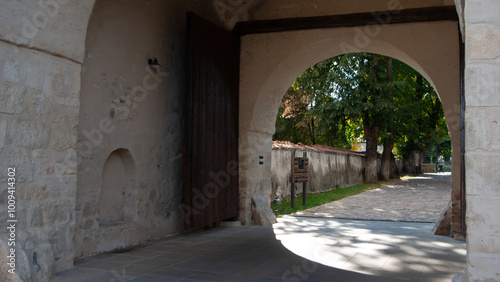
(415, 161)
(420, 160)
(386, 160)
(371, 136)
(389, 143)
(420, 88)
(313, 135)
(394, 171)
(406, 164)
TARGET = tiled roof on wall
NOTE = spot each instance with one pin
(319, 148)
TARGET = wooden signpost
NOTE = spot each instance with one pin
(300, 174)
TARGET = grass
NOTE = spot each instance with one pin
(326, 197)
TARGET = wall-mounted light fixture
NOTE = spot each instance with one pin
(153, 63)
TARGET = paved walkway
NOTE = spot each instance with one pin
(294, 249)
(419, 199)
(395, 251)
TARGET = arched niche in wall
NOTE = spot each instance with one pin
(117, 201)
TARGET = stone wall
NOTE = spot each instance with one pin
(482, 139)
(38, 127)
(128, 107)
(429, 168)
(41, 50)
(62, 114)
(327, 170)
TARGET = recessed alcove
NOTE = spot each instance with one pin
(118, 191)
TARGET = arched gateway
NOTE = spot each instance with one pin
(75, 86)
(270, 62)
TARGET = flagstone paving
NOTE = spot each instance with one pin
(297, 249)
(419, 199)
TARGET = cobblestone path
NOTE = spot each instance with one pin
(419, 199)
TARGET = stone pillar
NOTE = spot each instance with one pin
(455, 208)
(41, 51)
(255, 178)
(38, 138)
(482, 88)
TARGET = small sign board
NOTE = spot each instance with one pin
(300, 170)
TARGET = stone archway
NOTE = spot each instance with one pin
(270, 62)
(49, 61)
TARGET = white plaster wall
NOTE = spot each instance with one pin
(124, 104)
(42, 48)
(326, 170)
(270, 62)
(482, 88)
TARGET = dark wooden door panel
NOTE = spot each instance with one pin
(211, 124)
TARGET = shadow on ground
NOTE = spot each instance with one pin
(294, 249)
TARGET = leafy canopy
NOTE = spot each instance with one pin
(328, 103)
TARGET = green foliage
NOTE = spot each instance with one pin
(439, 149)
(360, 87)
(301, 115)
(419, 114)
(320, 199)
(328, 103)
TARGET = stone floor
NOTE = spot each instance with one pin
(394, 250)
(294, 249)
(420, 199)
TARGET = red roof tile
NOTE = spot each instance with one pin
(320, 148)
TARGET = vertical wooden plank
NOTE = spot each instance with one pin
(211, 124)
(463, 203)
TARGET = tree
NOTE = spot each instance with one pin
(421, 122)
(357, 96)
(361, 84)
(301, 115)
(389, 169)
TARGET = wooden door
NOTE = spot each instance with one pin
(211, 124)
